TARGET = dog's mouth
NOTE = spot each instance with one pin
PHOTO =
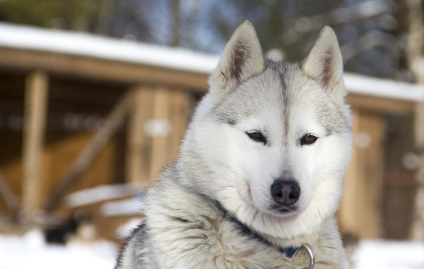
(284, 209)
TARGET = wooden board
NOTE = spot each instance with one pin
(361, 206)
(380, 105)
(99, 69)
(138, 143)
(180, 114)
(156, 128)
(417, 231)
(36, 95)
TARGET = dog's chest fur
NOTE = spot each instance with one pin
(183, 229)
(245, 165)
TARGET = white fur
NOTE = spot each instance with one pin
(219, 162)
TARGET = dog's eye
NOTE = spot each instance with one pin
(257, 136)
(308, 139)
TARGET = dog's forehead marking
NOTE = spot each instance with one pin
(296, 89)
(285, 106)
(285, 71)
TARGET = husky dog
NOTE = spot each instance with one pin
(260, 170)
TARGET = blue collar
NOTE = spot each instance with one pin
(289, 251)
(246, 231)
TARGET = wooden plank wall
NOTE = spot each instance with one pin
(399, 180)
(417, 231)
(48, 149)
(36, 96)
(156, 128)
(360, 209)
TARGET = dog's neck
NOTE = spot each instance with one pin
(245, 230)
(280, 236)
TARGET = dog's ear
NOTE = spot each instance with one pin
(324, 63)
(242, 58)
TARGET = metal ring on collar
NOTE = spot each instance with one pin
(311, 255)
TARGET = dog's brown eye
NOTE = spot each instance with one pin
(257, 137)
(308, 139)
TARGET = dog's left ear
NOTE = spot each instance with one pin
(241, 59)
(324, 63)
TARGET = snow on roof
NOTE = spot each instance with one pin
(83, 44)
(383, 88)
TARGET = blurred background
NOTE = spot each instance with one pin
(95, 97)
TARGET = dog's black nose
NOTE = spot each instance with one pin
(285, 192)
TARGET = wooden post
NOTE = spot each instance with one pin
(417, 229)
(10, 198)
(415, 58)
(181, 107)
(360, 211)
(138, 146)
(156, 128)
(36, 99)
(347, 212)
(158, 124)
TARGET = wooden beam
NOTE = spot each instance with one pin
(415, 53)
(417, 229)
(181, 107)
(158, 125)
(85, 158)
(360, 210)
(138, 146)
(156, 128)
(419, 127)
(348, 219)
(380, 105)
(106, 70)
(10, 198)
(36, 99)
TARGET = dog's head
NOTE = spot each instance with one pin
(271, 140)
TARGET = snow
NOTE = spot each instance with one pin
(131, 206)
(30, 251)
(383, 88)
(125, 229)
(100, 194)
(376, 254)
(83, 44)
(105, 193)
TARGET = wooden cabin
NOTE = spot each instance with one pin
(79, 111)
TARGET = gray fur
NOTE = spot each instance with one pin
(221, 175)
(186, 230)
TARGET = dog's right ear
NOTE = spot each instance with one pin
(242, 58)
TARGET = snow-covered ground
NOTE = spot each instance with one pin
(30, 251)
(378, 254)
